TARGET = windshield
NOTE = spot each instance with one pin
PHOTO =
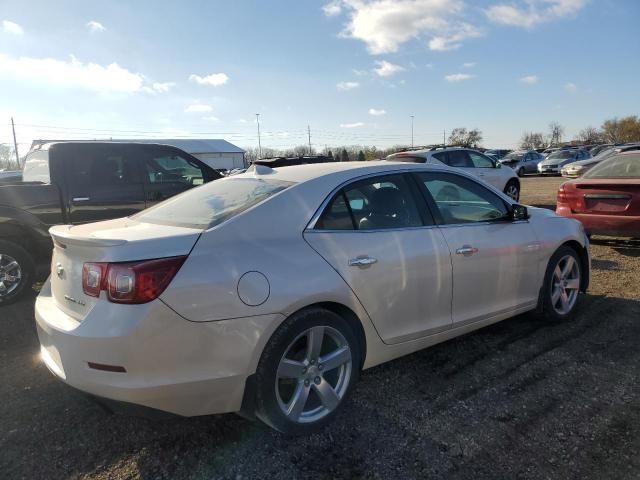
(516, 156)
(561, 155)
(212, 203)
(619, 166)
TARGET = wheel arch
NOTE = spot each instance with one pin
(584, 262)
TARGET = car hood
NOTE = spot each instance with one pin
(555, 161)
(583, 163)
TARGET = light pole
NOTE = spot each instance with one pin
(411, 131)
(259, 144)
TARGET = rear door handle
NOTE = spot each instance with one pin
(466, 250)
(362, 261)
(81, 199)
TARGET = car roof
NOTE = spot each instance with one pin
(303, 173)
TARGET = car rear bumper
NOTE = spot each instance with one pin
(612, 225)
(170, 364)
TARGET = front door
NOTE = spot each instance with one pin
(103, 182)
(375, 234)
(495, 260)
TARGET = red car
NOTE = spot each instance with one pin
(606, 199)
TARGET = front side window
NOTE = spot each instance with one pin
(212, 203)
(384, 202)
(167, 167)
(461, 200)
(480, 161)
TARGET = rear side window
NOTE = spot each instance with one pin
(212, 203)
(408, 159)
(102, 166)
(36, 167)
(459, 158)
(377, 203)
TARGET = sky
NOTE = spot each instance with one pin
(349, 71)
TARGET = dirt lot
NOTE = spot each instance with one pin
(522, 399)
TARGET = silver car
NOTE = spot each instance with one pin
(523, 161)
(269, 291)
(555, 161)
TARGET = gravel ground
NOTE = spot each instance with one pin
(525, 398)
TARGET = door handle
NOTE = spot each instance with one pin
(466, 250)
(362, 261)
(80, 199)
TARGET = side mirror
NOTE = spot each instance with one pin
(519, 212)
(497, 164)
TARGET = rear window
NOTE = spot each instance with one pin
(620, 166)
(36, 167)
(212, 203)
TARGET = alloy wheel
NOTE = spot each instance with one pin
(10, 275)
(513, 191)
(565, 285)
(313, 374)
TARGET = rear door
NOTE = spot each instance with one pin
(494, 259)
(375, 235)
(103, 182)
(167, 172)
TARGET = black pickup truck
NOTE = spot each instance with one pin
(80, 182)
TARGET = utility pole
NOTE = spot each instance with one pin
(259, 144)
(15, 144)
(411, 131)
(309, 134)
(444, 137)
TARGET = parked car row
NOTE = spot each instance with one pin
(576, 169)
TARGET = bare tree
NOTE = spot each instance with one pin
(461, 137)
(589, 135)
(532, 140)
(7, 157)
(555, 134)
(626, 129)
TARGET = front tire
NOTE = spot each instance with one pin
(521, 172)
(16, 271)
(512, 188)
(561, 288)
(306, 371)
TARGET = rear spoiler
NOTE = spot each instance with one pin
(62, 235)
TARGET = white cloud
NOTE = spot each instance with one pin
(12, 27)
(458, 77)
(360, 73)
(428, 65)
(533, 12)
(570, 87)
(211, 118)
(242, 120)
(352, 125)
(94, 26)
(344, 86)
(384, 25)
(215, 79)
(332, 8)
(469, 65)
(377, 112)
(73, 73)
(529, 79)
(198, 108)
(158, 87)
(386, 69)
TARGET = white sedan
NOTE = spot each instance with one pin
(269, 291)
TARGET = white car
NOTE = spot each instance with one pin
(269, 291)
(473, 162)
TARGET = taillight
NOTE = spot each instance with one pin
(131, 282)
(562, 195)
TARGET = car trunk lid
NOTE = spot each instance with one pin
(604, 196)
(113, 241)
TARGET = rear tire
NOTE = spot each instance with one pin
(561, 289)
(306, 372)
(512, 189)
(16, 272)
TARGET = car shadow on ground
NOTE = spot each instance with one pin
(547, 399)
(628, 247)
